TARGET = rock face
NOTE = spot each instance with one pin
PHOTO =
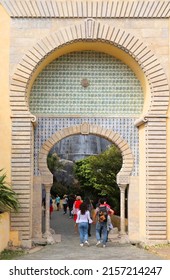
(79, 146)
(65, 174)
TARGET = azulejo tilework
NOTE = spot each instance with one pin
(111, 87)
(87, 83)
(47, 126)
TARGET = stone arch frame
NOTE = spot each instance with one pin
(86, 128)
(81, 9)
(90, 30)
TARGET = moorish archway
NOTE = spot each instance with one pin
(85, 129)
(155, 117)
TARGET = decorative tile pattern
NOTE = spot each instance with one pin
(87, 84)
(47, 126)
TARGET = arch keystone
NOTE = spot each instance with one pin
(89, 28)
(85, 128)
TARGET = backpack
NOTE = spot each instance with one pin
(102, 214)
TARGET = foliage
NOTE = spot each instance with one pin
(11, 254)
(53, 162)
(97, 175)
(60, 189)
(8, 198)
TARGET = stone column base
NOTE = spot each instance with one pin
(26, 243)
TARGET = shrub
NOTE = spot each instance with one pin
(8, 198)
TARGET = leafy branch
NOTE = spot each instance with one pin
(8, 198)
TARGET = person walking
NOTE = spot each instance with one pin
(109, 221)
(51, 206)
(100, 218)
(57, 201)
(90, 208)
(83, 219)
(71, 199)
(65, 200)
(76, 207)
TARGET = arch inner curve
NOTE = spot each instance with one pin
(86, 128)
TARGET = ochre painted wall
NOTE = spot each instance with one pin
(5, 113)
(5, 120)
(168, 164)
(4, 231)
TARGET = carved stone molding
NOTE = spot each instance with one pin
(84, 9)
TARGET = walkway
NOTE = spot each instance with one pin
(69, 248)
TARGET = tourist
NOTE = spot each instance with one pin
(76, 207)
(71, 200)
(51, 206)
(83, 219)
(57, 201)
(101, 214)
(90, 208)
(65, 200)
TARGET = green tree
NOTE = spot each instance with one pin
(58, 188)
(97, 175)
(8, 198)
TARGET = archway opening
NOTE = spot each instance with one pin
(85, 165)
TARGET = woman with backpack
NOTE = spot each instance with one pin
(101, 215)
(83, 219)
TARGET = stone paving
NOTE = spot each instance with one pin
(69, 248)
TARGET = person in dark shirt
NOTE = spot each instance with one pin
(70, 202)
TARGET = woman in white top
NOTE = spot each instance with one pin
(83, 218)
